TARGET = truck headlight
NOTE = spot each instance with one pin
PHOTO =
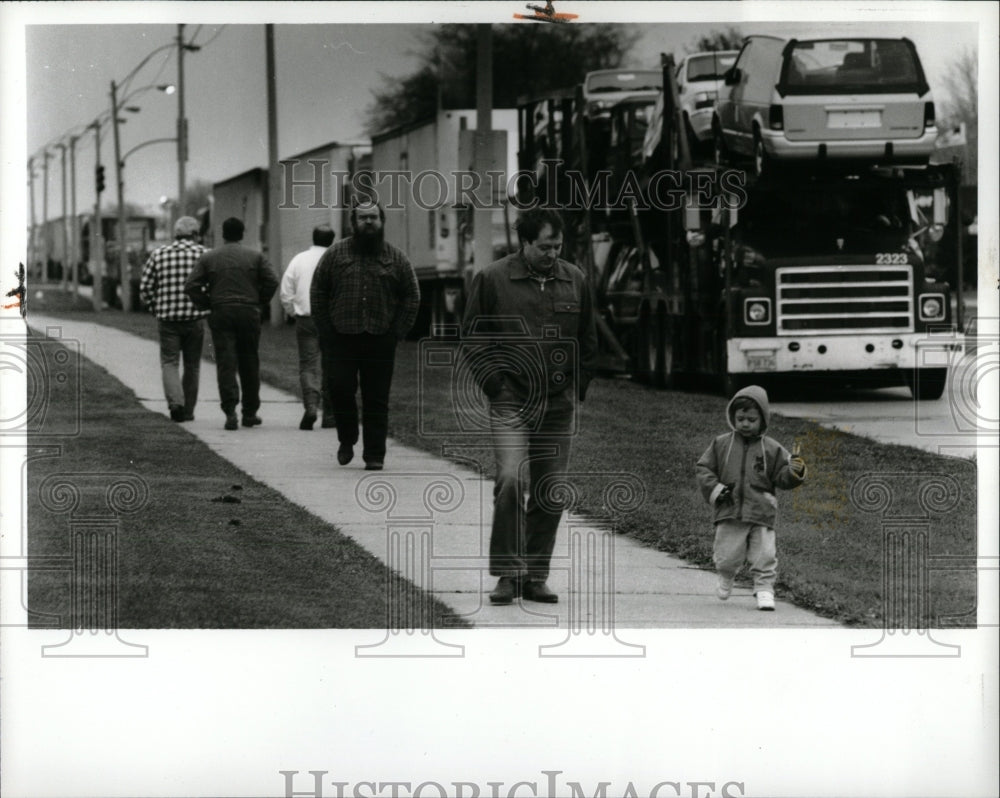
(932, 307)
(757, 310)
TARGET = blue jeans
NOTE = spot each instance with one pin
(181, 339)
(532, 451)
(312, 370)
(236, 337)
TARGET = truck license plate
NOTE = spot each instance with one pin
(761, 363)
(850, 119)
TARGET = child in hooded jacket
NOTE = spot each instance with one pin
(737, 475)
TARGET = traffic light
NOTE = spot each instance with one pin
(100, 178)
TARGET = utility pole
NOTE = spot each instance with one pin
(182, 147)
(74, 222)
(45, 217)
(273, 250)
(32, 233)
(65, 219)
(124, 278)
(483, 217)
(96, 236)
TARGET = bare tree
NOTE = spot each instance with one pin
(961, 106)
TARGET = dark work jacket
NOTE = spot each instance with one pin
(535, 339)
(231, 275)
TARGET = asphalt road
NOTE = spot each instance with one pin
(949, 425)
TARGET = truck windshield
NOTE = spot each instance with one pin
(851, 65)
(710, 66)
(820, 221)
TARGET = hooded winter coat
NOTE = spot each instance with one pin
(752, 467)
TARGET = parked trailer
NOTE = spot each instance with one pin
(700, 270)
(430, 218)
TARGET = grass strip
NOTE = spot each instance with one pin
(830, 551)
(212, 548)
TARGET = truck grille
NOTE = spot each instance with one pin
(822, 299)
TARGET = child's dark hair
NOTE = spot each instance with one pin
(743, 403)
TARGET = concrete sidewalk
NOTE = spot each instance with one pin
(428, 518)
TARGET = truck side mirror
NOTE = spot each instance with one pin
(732, 76)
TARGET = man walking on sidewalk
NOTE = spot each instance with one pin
(364, 300)
(182, 332)
(234, 281)
(295, 285)
(530, 343)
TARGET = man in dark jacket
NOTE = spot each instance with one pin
(364, 300)
(530, 342)
(234, 281)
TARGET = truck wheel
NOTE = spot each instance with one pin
(647, 352)
(761, 162)
(663, 374)
(926, 384)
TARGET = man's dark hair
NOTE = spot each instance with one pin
(323, 235)
(743, 403)
(232, 229)
(366, 203)
(531, 222)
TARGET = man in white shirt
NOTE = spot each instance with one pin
(295, 285)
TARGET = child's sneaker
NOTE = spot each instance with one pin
(765, 601)
(724, 587)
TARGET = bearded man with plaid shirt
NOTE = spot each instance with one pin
(182, 331)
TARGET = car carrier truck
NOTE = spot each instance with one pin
(702, 270)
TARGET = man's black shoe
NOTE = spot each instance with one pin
(345, 453)
(329, 422)
(505, 592)
(373, 465)
(252, 420)
(538, 591)
(188, 416)
(176, 412)
(308, 419)
(232, 422)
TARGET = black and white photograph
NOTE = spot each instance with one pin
(499, 399)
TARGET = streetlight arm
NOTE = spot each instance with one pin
(146, 144)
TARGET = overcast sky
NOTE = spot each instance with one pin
(326, 72)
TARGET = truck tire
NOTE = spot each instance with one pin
(647, 350)
(927, 384)
(761, 162)
(663, 374)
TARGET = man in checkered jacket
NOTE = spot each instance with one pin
(182, 331)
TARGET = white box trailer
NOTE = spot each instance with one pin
(417, 172)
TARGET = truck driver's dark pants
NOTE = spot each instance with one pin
(236, 337)
(368, 359)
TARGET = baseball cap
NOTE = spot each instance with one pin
(186, 226)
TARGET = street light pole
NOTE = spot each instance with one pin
(181, 123)
(74, 258)
(96, 237)
(44, 276)
(123, 276)
(32, 237)
(65, 219)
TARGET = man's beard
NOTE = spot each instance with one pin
(369, 241)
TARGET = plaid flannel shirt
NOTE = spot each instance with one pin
(353, 293)
(163, 278)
